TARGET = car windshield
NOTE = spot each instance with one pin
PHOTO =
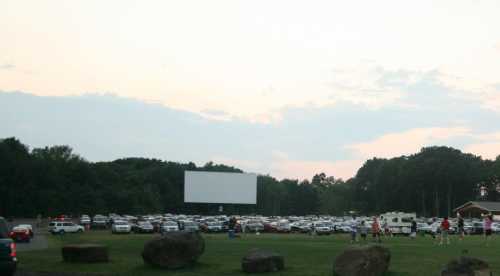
(145, 223)
(190, 224)
(170, 223)
(121, 223)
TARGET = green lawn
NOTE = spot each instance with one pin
(304, 255)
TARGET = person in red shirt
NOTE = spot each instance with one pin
(445, 228)
(376, 230)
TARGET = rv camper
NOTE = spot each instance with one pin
(398, 222)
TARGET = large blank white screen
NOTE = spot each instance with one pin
(218, 187)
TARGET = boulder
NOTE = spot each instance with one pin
(174, 249)
(466, 266)
(371, 260)
(259, 261)
(85, 253)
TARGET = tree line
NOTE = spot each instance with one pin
(54, 180)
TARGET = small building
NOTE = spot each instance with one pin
(475, 209)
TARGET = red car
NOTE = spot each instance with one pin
(20, 234)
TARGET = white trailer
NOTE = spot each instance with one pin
(397, 222)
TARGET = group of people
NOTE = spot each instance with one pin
(362, 228)
(443, 228)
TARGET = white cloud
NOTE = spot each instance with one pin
(390, 145)
(282, 166)
(7, 66)
(487, 94)
(407, 142)
(487, 145)
(488, 150)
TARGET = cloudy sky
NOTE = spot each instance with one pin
(289, 88)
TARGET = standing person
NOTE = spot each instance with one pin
(39, 221)
(363, 230)
(387, 230)
(354, 229)
(434, 228)
(413, 232)
(231, 226)
(488, 220)
(313, 230)
(376, 230)
(445, 228)
(460, 224)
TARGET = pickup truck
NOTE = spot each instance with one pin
(8, 257)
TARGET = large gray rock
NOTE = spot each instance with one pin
(85, 253)
(259, 261)
(174, 249)
(466, 266)
(371, 260)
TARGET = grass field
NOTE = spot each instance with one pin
(304, 255)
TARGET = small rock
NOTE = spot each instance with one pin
(371, 260)
(259, 261)
(174, 249)
(467, 266)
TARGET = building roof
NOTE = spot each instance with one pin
(490, 206)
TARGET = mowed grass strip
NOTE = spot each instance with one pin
(304, 254)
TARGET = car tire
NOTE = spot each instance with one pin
(79, 231)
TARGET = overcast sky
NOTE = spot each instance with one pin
(289, 88)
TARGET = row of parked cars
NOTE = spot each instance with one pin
(471, 227)
(215, 224)
(395, 222)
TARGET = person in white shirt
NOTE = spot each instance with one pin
(354, 229)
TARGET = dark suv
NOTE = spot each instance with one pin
(8, 258)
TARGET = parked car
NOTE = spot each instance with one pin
(143, 227)
(121, 227)
(477, 228)
(301, 227)
(322, 228)
(99, 221)
(62, 227)
(29, 227)
(85, 220)
(212, 227)
(424, 228)
(283, 227)
(189, 226)
(345, 229)
(254, 226)
(8, 254)
(169, 226)
(20, 234)
(495, 227)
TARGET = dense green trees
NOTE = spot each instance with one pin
(54, 180)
